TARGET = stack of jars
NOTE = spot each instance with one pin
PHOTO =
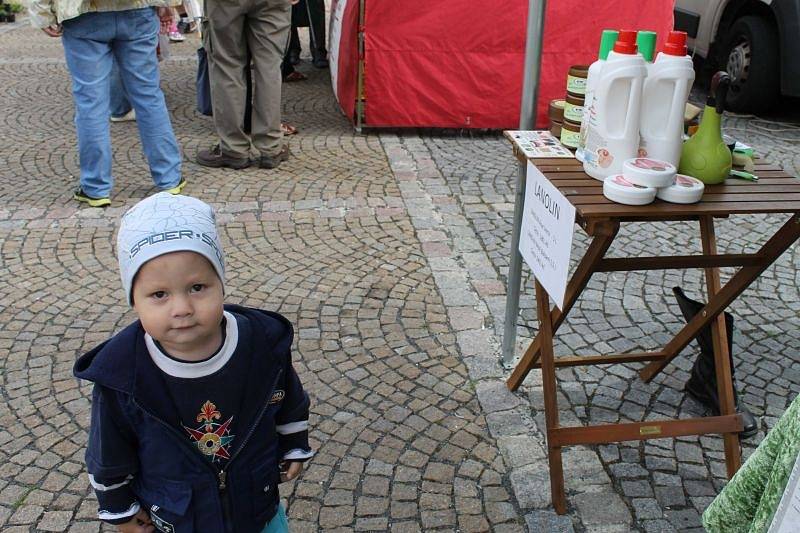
(573, 106)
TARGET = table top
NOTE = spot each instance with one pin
(774, 192)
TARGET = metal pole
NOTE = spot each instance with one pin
(527, 120)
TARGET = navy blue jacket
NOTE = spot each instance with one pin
(171, 479)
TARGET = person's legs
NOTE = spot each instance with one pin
(228, 59)
(120, 106)
(135, 52)
(267, 26)
(87, 49)
(319, 52)
(294, 44)
(279, 522)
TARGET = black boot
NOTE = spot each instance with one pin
(702, 384)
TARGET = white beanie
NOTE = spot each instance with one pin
(165, 223)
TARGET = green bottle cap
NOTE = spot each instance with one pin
(607, 40)
(646, 42)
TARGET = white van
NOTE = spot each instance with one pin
(756, 41)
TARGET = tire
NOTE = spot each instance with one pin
(751, 57)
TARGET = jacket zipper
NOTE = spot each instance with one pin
(221, 474)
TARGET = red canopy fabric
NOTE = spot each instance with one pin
(459, 63)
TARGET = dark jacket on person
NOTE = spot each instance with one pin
(131, 436)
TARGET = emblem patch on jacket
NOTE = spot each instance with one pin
(159, 523)
(212, 438)
(277, 396)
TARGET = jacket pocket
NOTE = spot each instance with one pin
(168, 504)
(265, 491)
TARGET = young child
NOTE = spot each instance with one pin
(197, 413)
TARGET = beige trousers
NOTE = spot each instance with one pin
(233, 27)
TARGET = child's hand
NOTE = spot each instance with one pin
(138, 524)
(290, 470)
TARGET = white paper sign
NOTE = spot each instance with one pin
(545, 240)
(787, 517)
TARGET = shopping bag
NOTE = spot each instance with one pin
(202, 84)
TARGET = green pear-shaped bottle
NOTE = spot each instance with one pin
(705, 155)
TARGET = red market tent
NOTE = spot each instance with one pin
(459, 63)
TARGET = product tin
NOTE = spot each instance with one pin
(649, 172)
(576, 79)
(555, 110)
(573, 108)
(570, 134)
(685, 190)
(618, 189)
(555, 129)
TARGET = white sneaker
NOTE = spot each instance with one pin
(127, 117)
(176, 36)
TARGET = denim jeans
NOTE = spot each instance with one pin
(90, 41)
(120, 105)
(279, 522)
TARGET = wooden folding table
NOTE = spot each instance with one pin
(776, 192)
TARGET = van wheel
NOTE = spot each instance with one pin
(751, 58)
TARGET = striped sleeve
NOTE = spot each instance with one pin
(292, 420)
(115, 500)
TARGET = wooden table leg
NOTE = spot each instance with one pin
(727, 406)
(603, 237)
(717, 303)
(550, 401)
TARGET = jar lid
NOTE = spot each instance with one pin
(649, 172)
(579, 71)
(555, 110)
(618, 189)
(685, 190)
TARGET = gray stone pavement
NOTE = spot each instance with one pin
(388, 252)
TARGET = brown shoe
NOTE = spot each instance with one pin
(216, 159)
(272, 161)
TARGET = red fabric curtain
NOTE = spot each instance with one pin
(459, 63)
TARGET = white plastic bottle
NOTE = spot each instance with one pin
(607, 40)
(612, 135)
(664, 97)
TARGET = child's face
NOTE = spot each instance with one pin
(178, 298)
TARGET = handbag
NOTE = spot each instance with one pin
(203, 84)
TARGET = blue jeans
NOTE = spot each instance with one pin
(278, 524)
(130, 37)
(120, 105)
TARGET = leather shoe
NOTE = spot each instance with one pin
(216, 159)
(272, 161)
(320, 62)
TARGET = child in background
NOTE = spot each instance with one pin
(197, 412)
(174, 35)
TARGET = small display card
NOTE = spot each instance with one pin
(538, 144)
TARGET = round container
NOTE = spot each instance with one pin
(649, 172)
(573, 108)
(555, 111)
(576, 79)
(570, 134)
(685, 190)
(555, 129)
(618, 189)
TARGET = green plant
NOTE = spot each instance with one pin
(14, 7)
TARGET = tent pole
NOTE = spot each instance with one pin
(527, 121)
(360, 75)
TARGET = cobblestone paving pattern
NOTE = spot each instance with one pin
(327, 240)
(389, 253)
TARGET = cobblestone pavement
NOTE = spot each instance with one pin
(388, 252)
